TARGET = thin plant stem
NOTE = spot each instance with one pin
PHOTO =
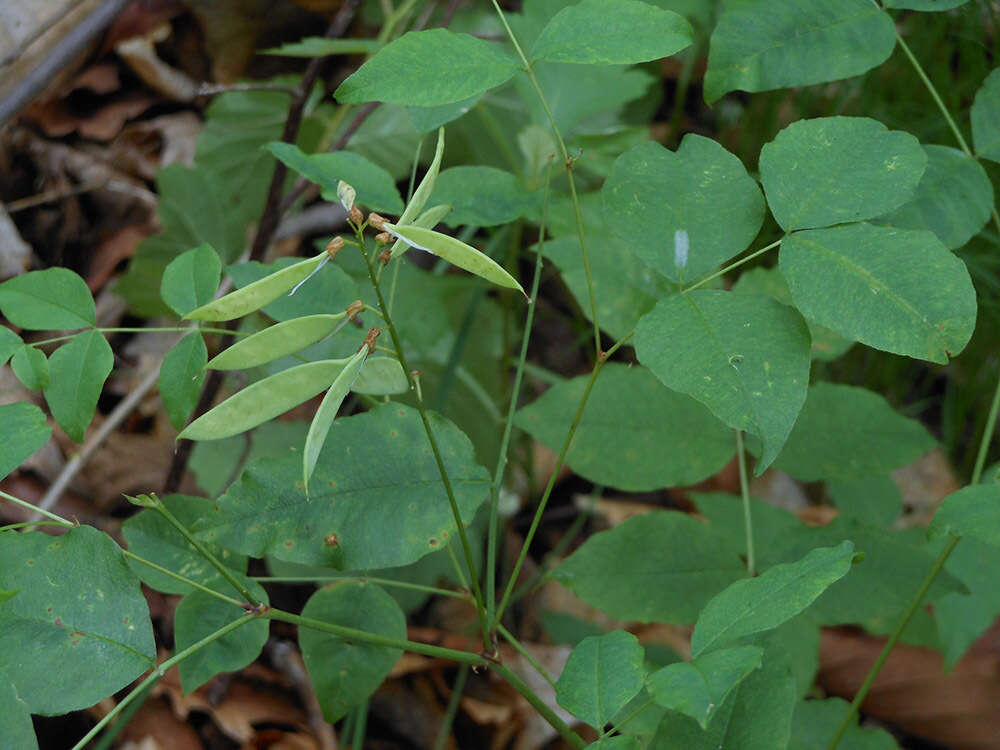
(568, 162)
(575, 741)
(977, 474)
(731, 266)
(453, 702)
(367, 579)
(445, 479)
(159, 672)
(360, 726)
(745, 493)
(352, 634)
(108, 739)
(498, 475)
(153, 329)
(618, 727)
(28, 524)
(224, 571)
(527, 655)
(41, 511)
(183, 579)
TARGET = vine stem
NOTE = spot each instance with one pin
(568, 162)
(512, 582)
(494, 513)
(445, 479)
(942, 558)
(158, 673)
(508, 676)
(745, 492)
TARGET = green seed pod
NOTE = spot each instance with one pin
(422, 193)
(254, 296)
(277, 341)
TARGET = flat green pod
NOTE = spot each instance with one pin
(277, 341)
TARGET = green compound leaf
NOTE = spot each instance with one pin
(19, 732)
(700, 687)
(428, 68)
(482, 196)
(745, 356)
(31, 367)
(330, 289)
(830, 170)
(53, 299)
(10, 342)
(848, 432)
(760, 45)
(198, 616)
(150, 536)
(953, 200)
(897, 290)
(375, 187)
(612, 32)
(191, 279)
(815, 722)
(79, 614)
(986, 118)
(635, 434)
(393, 512)
(685, 212)
(972, 511)
(662, 566)
(181, 376)
(602, 674)
(826, 344)
(77, 374)
(763, 603)
(23, 431)
(345, 672)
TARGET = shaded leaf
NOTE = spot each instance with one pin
(972, 511)
(330, 289)
(181, 376)
(815, 722)
(986, 118)
(53, 299)
(962, 618)
(427, 119)
(318, 46)
(482, 196)
(875, 499)
(602, 674)
(23, 431)
(19, 732)
(725, 514)
(77, 374)
(10, 342)
(191, 279)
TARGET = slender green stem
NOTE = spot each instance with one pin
(158, 673)
(525, 654)
(498, 474)
(445, 479)
(224, 571)
(360, 727)
(568, 162)
(449, 715)
(984, 444)
(162, 329)
(731, 266)
(618, 727)
(352, 634)
(28, 524)
(183, 579)
(51, 516)
(367, 579)
(574, 740)
(745, 493)
(107, 740)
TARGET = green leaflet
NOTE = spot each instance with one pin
(875, 499)
(44, 632)
(428, 68)
(845, 432)
(327, 412)
(962, 618)
(831, 170)
(181, 377)
(972, 511)
(277, 341)
(10, 342)
(191, 279)
(255, 295)
(344, 673)
(765, 602)
(77, 374)
(31, 367)
(22, 432)
(684, 212)
(635, 434)
(908, 294)
(455, 252)
(612, 32)
(482, 196)
(759, 45)
(375, 186)
(986, 118)
(19, 732)
(602, 674)
(53, 299)
(629, 572)
(700, 687)
(746, 357)
(427, 119)
(816, 721)
(420, 197)
(264, 400)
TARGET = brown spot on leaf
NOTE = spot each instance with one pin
(332, 540)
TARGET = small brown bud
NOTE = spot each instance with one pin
(384, 257)
(334, 246)
(373, 333)
(376, 221)
(354, 309)
(357, 218)
(383, 238)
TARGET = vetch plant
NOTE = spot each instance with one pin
(690, 366)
